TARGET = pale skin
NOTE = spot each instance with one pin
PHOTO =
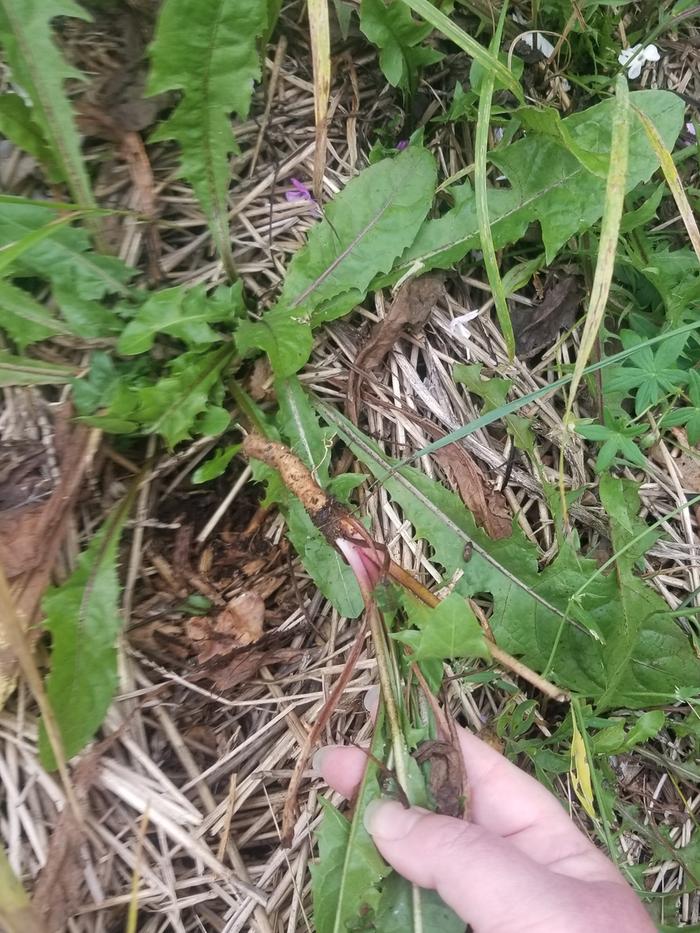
(517, 864)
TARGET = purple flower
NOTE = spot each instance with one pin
(401, 145)
(298, 191)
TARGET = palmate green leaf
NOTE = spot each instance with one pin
(82, 616)
(345, 879)
(208, 49)
(185, 313)
(548, 184)
(24, 371)
(533, 609)
(366, 227)
(299, 425)
(37, 65)
(24, 319)
(17, 124)
(398, 36)
(650, 374)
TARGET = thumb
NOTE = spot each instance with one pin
(483, 878)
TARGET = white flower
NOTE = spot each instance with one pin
(458, 327)
(633, 59)
(535, 40)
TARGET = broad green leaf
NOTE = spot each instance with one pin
(366, 227)
(17, 124)
(395, 912)
(312, 444)
(24, 371)
(38, 66)
(548, 185)
(533, 609)
(183, 313)
(24, 319)
(614, 739)
(398, 37)
(208, 49)
(449, 630)
(349, 869)
(64, 258)
(82, 616)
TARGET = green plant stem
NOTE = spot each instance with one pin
(481, 192)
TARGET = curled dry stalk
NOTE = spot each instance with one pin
(370, 563)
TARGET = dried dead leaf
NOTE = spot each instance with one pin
(487, 505)
(240, 623)
(245, 664)
(446, 780)
(409, 310)
(59, 888)
(688, 466)
(537, 328)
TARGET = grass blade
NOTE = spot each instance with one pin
(465, 42)
(610, 228)
(673, 179)
(481, 192)
(490, 416)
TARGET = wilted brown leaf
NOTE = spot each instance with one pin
(537, 328)
(488, 506)
(240, 623)
(59, 889)
(410, 309)
(245, 664)
(446, 780)
(688, 466)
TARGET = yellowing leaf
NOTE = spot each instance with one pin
(580, 772)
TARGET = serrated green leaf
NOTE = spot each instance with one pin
(176, 406)
(215, 465)
(366, 227)
(398, 36)
(82, 616)
(449, 630)
(183, 313)
(349, 866)
(208, 49)
(172, 406)
(24, 371)
(64, 258)
(547, 184)
(24, 319)
(531, 607)
(17, 124)
(37, 65)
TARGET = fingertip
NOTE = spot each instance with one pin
(341, 766)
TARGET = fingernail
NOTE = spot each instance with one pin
(319, 757)
(389, 820)
(371, 699)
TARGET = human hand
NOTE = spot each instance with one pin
(519, 864)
